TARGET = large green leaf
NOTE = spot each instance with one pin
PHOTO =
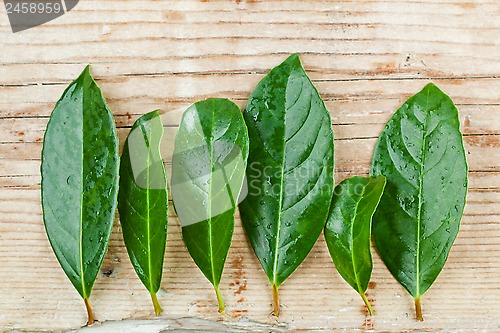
(421, 153)
(348, 229)
(79, 182)
(290, 170)
(208, 169)
(143, 201)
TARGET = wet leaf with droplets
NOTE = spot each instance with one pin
(143, 201)
(208, 170)
(420, 211)
(290, 170)
(80, 182)
(348, 229)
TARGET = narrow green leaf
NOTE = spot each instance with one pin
(348, 230)
(421, 153)
(208, 169)
(143, 201)
(290, 170)
(79, 182)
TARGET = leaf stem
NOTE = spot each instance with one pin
(418, 309)
(156, 304)
(219, 299)
(276, 301)
(367, 303)
(90, 315)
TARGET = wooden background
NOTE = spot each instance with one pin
(365, 57)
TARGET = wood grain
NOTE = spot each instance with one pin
(365, 57)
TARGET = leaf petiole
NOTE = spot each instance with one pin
(219, 299)
(418, 309)
(156, 304)
(90, 314)
(276, 301)
(367, 303)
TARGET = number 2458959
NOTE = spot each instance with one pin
(34, 8)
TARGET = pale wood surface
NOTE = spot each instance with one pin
(365, 57)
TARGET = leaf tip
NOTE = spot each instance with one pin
(381, 179)
(294, 59)
(86, 71)
(431, 87)
(85, 77)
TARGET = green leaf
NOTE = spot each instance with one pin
(348, 230)
(421, 153)
(290, 170)
(143, 201)
(208, 169)
(79, 182)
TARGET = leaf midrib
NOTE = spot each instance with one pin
(82, 172)
(280, 213)
(352, 238)
(210, 243)
(148, 210)
(420, 192)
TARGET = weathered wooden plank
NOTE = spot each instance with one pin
(365, 57)
(350, 120)
(117, 300)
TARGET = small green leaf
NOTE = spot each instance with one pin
(348, 230)
(290, 170)
(80, 182)
(143, 201)
(208, 169)
(421, 153)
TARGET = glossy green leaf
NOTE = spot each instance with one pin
(290, 170)
(80, 182)
(143, 201)
(208, 169)
(421, 153)
(348, 230)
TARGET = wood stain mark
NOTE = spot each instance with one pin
(467, 121)
(206, 306)
(238, 275)
(241, 287)
(368, 323)
(386, 68)
(467, 5)
(237, 266)
(173, 16)
(483, 141)
(240, 281)
(239, 313)
(108, 271)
